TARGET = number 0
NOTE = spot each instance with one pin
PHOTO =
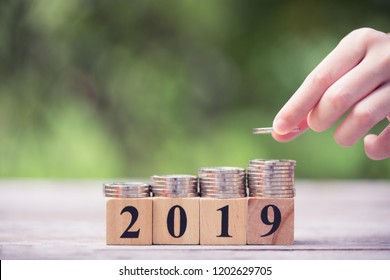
(171, 221)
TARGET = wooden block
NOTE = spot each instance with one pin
(223, 221)
(129, 221)
(175, 220)
(270, 221)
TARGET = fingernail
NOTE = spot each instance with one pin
(281, 127)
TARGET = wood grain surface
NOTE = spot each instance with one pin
(66, 220)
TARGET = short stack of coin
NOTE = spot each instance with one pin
(174, 185)
(126, 190)
(222, 182)
(271, 178)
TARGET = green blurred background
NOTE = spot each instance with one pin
(104, 89)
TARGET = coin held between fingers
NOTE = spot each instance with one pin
(269, 130)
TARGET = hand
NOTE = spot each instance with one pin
(353, 78)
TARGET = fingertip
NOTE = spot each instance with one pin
(369, 147)
(280, 126)
(370, 138)
(286, 137)
(281, 137)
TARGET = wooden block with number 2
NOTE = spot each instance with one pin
(129, 221)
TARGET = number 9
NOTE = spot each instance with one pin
(276, 221)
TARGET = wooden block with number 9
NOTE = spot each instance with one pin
(129, 221)
(270, 221)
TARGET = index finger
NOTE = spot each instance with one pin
(348, 53)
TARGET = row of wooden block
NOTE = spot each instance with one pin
(204, 221)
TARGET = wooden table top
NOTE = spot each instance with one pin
(66, 220)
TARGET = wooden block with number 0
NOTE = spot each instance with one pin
(223, 221)
(270, 221)
(129, 221)
(176, 220)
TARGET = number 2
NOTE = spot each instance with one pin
(134, 216)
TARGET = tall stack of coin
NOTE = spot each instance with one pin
(126, 190)
(271, 178)
(222, 182)
(174, 185)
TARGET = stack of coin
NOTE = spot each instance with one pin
(174, 185)
(222, 182)
(271, 178)
(126, 190)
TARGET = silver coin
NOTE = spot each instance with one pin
(176, 195)
(274, 184)
(126, 189)
(260, 188)
(269, 191)
(162, 185)
(178, 182)
(125, 192)
(269, 185)
(176, 185)
(221, 182)
(174, 190)
(172, 193)
(271, 165)
(278, 188)
(268, 168)
(222, 175)
(222, 169)
(287, 162)
(223, 178)
(288, 191)
(223, 191)
(268, 130)
(174, 177)
(270, 196)
(122, 185)
(223, 196)
(223, 185)
(271, 179)
(140, 195)
(270, 176)
(269, 172)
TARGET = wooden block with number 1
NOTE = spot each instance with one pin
(129, 221)
(270, 221)
(223, 221)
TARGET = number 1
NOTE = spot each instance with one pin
(224, 221)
